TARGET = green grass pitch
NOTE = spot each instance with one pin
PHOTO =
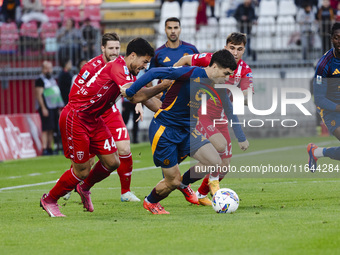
(285, 214)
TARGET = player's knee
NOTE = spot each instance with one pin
(221, 147)
(112, 164)
(124, 151)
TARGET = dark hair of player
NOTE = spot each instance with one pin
(237, 38)
(223, 58)
(335, 27)
(110, 37)
(173, 19)
(141, 47)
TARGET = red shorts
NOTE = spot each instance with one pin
(114, 121)
(206, 126)
(83, 135)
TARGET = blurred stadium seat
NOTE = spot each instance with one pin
(268, 8)
(52, 2)
(53, 14)
(264, 33)
(285, 27)
(9, 36)
(170, 9)
(287, 7)
(48, 35)
(72, 12)
(92, 12)
(189, 10)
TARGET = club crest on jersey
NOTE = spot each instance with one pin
(80, 155)
(85, 75)
(249, 75)
(202, 55)
(126, 70)
(318, 79)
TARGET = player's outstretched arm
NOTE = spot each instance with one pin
(144, 93)
(154, 73)
(184, 61)
(228, 109)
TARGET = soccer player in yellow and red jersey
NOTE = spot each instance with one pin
(218, 135)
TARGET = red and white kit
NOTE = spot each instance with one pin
(242, 77)
(82, 128)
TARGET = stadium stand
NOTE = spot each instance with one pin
(287, 7)
(9, 36)
(53, 14)
(268, 8)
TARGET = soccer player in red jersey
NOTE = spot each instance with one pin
(218, 135)
(84, 131)
(112, 117)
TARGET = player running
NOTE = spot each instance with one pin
(84, 131)
(327, 98)
(172, 133)
(113, 120)
(218, 134)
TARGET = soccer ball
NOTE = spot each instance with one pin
(225, 201)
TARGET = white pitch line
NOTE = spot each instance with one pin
(184, 163)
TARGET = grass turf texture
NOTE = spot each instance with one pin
(275, 216)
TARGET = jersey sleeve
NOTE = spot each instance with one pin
(172, 73)
(119, 73)
(247, 79)
(202, 59)
(228, 109)
(320, 89)
(39, 83)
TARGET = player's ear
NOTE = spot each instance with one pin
(133, 55)
(102, 48)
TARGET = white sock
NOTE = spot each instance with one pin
(199, 195)
(318, 152)
(213, 178)
(183, 186)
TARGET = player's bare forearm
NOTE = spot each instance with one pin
(153, 104)
(146, 93)
(184, 61)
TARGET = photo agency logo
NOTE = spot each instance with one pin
(280, 103)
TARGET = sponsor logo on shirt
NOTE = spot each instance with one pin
(249, 75)
(81, 81)
(318, 79)
(336, 72)
(126, 70)
(85, 75)
(202, 55)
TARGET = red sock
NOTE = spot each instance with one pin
(97, 174)
(124, 171)
(204, 188)
(67, 182)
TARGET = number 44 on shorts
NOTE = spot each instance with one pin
(108, 146)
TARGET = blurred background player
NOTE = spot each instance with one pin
(85, 133)
(50, 102)
(171, 130)
(112, 117)
(327, 98)
(170, 52)
(218, 134)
